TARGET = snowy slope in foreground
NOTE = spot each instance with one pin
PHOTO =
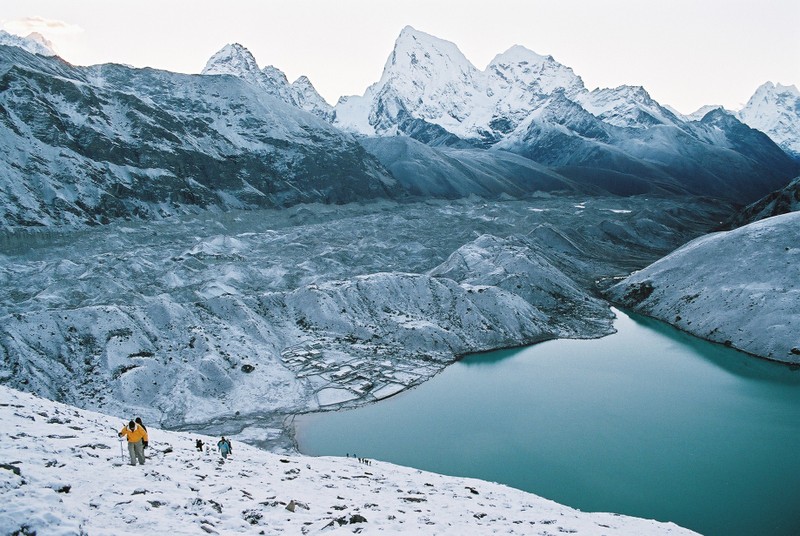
(740, 288)
(66, 477)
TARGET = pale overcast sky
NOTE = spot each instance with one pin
(686, 53)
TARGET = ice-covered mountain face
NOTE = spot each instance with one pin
(740, 288)
(519, 81)
(626, 106)
(305, 96)
(775, 110)
(88, 145)
(424, 78)
(236, 60)
(430, 79)
(619, 140)
(35, 43)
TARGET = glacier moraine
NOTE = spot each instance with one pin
(231, 322)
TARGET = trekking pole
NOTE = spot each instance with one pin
(121, 453)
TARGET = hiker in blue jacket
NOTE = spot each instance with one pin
(224, 446)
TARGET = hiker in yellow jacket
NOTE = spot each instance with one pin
(137, 437)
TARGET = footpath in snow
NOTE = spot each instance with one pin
(62, 473)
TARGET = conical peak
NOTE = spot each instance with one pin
(231, 59)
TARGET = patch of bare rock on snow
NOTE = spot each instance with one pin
(64, 473)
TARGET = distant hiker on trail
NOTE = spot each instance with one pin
(199, 445)
(224, 446)
(138, 420)
(137, 436)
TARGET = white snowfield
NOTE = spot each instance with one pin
(740, 288)
(62, 474)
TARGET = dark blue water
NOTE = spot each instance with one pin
(649, 422)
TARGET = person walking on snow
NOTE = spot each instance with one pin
(138, 420)
(137, 436)
(224, 447)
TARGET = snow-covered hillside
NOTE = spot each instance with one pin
(740, 288)
(92, 144)
(62, 474)
(777, 203)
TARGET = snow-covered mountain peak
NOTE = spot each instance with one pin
(768, 88)
(775, 110)
(424, 78)
(236, 60)
(275, 82)
(627, 106)
(306, 97)
(519, 54)
(303, 81)
(36, 37)
(34, 43)
(519, 69)
(233, 59)
(274, 73)
(701, 112)
(421, 54)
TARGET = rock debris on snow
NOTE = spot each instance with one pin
(182, 491)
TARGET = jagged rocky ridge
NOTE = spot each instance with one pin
(93, 144)
(777, 203)
(740, 288)
(237, 61)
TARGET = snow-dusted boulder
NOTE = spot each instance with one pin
(740, 288)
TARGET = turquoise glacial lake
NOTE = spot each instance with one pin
(648, 422)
